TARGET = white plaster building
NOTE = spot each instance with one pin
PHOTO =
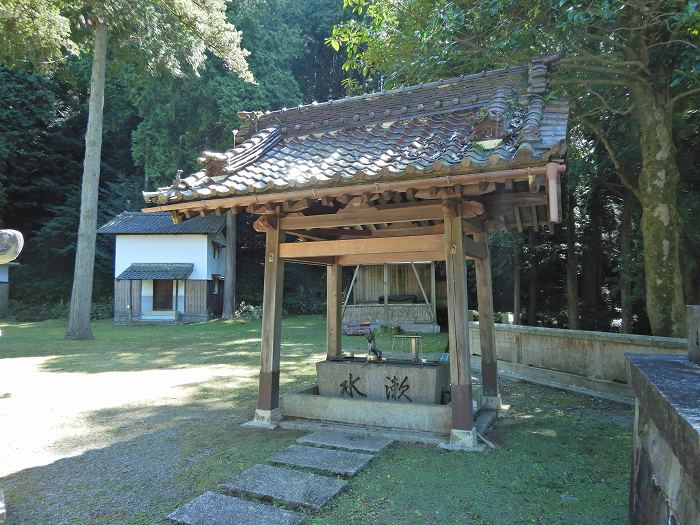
(165, 271)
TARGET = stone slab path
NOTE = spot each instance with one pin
(290, 487)
(282, 485)
(348, 441)
(333, 461)
(217, 509)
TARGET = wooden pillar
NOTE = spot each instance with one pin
(334, 293)
(386, 289)
(268, 393)
(433, 292)
(229, 304)
(484, 293)
(460, 373)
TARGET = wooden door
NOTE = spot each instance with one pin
(162, 294)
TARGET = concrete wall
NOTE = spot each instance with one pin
(665, 480)
(193, 249)
(577, 359)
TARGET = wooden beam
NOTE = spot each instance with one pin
(460, 372)
(518, 219)
(498, 204)
(426, 243)
(475, 249)
(396, 257)
(268, 392)
(535, 222)
(487, 338)
(358, 189)
(334, 295)
(475, 225)
(375, 216)
(313, 261)
(554, 193)
(425, 296)
(352, 285)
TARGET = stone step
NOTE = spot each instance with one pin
(217, 509)
(282, 485)
(334, 461)
(348, 441)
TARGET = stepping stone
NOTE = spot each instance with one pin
(283, 485)
(350, 441)
(217, 509)
(335, 461)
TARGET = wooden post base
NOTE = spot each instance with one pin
(267, 419)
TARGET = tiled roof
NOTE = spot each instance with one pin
(169, 271)
(493, 120)
(139, 223)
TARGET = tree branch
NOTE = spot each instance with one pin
(619, 169)
(683, 95)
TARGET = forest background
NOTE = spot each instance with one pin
(588, 273)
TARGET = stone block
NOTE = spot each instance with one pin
(349, 441)
(393, 381)
(2, 507)
(666, 469)
(217, 509)
(432, 418)
(290, 487)
(334, 461)
(694, 333)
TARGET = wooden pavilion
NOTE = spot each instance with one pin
(421, 173)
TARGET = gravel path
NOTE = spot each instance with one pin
(103, 448)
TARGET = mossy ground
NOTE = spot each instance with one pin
(155, 421)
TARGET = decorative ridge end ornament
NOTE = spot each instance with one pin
(11, 244)
(538, 73)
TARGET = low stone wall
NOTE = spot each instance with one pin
(589, 362)
(665, 480)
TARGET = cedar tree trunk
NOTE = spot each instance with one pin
(531, 281)
(658, 194)
(571, 263)
(626, 263)
(81, 296)
(230, 277)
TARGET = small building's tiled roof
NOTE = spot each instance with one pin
(168, 271)
(489, 121)
(140, 223)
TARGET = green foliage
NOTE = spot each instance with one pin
(31, 312)
(183, 117)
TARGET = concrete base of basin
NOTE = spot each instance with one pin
(401, 381)
(308, 404)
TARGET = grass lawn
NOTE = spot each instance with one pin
(126, 428)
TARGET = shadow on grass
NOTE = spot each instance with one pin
(159, 457)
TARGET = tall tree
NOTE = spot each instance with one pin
(642, 53)
(174, 36)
